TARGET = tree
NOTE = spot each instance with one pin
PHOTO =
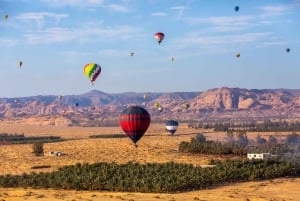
(38, 148)
(200, 137)
(292, 138)
(229, 138)
(272, 139)
(260, 140)
(242, 138)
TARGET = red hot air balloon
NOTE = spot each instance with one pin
(159, 36)
(134, 121)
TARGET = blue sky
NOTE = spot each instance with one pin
(55, 39)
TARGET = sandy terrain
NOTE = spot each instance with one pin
(155, 146)
(275, 190)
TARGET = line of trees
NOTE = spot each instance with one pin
(152, 177)
(265, 126)
(6, 138)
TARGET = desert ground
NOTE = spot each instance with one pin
(155, 146)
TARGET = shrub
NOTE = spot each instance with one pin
(38, 148)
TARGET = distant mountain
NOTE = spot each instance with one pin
(214, 104)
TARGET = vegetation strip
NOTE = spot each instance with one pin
(152, 177)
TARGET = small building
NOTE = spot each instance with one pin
(261, 156)
(55, 153)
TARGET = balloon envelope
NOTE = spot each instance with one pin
(159, 37)
(287, 50)
(237, 55)
(186, 106)
(92, 71)
(236, 8)
(160, 109)
(172, 126)
(134, 121)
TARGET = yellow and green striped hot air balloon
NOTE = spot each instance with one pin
(92, 71)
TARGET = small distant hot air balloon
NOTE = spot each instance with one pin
(288, 50)
(131, 54)
(236, 8)
(156, 105)
(172, 59)
(159, 37)
(237, 55)
(134, 121)
(92, 71)
(186, 106)
(160, 109)
(145, 96)
(20, 64)
(6, 16)
(172, 126)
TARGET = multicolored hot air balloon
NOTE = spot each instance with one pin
(159, 37)
(92, 71)
(134, 121)
(172, 126)
(236, 8)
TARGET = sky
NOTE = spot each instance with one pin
(55, 39)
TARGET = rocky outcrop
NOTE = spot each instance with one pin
(234, 102)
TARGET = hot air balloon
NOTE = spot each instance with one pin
(172, 59)
(237, 55)
(131, 54)
(145, 96)
(6, 16)
(20, 64)
(160, 109)
(236, 8)
(92, 71)
(186, 106)
(159, 37)
(288, 50)
(172, 126)
(156, 105)
(134, 121)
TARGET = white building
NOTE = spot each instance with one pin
(258, 156)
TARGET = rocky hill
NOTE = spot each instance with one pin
(214, 104)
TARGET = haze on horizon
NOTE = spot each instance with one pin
(55, 39)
